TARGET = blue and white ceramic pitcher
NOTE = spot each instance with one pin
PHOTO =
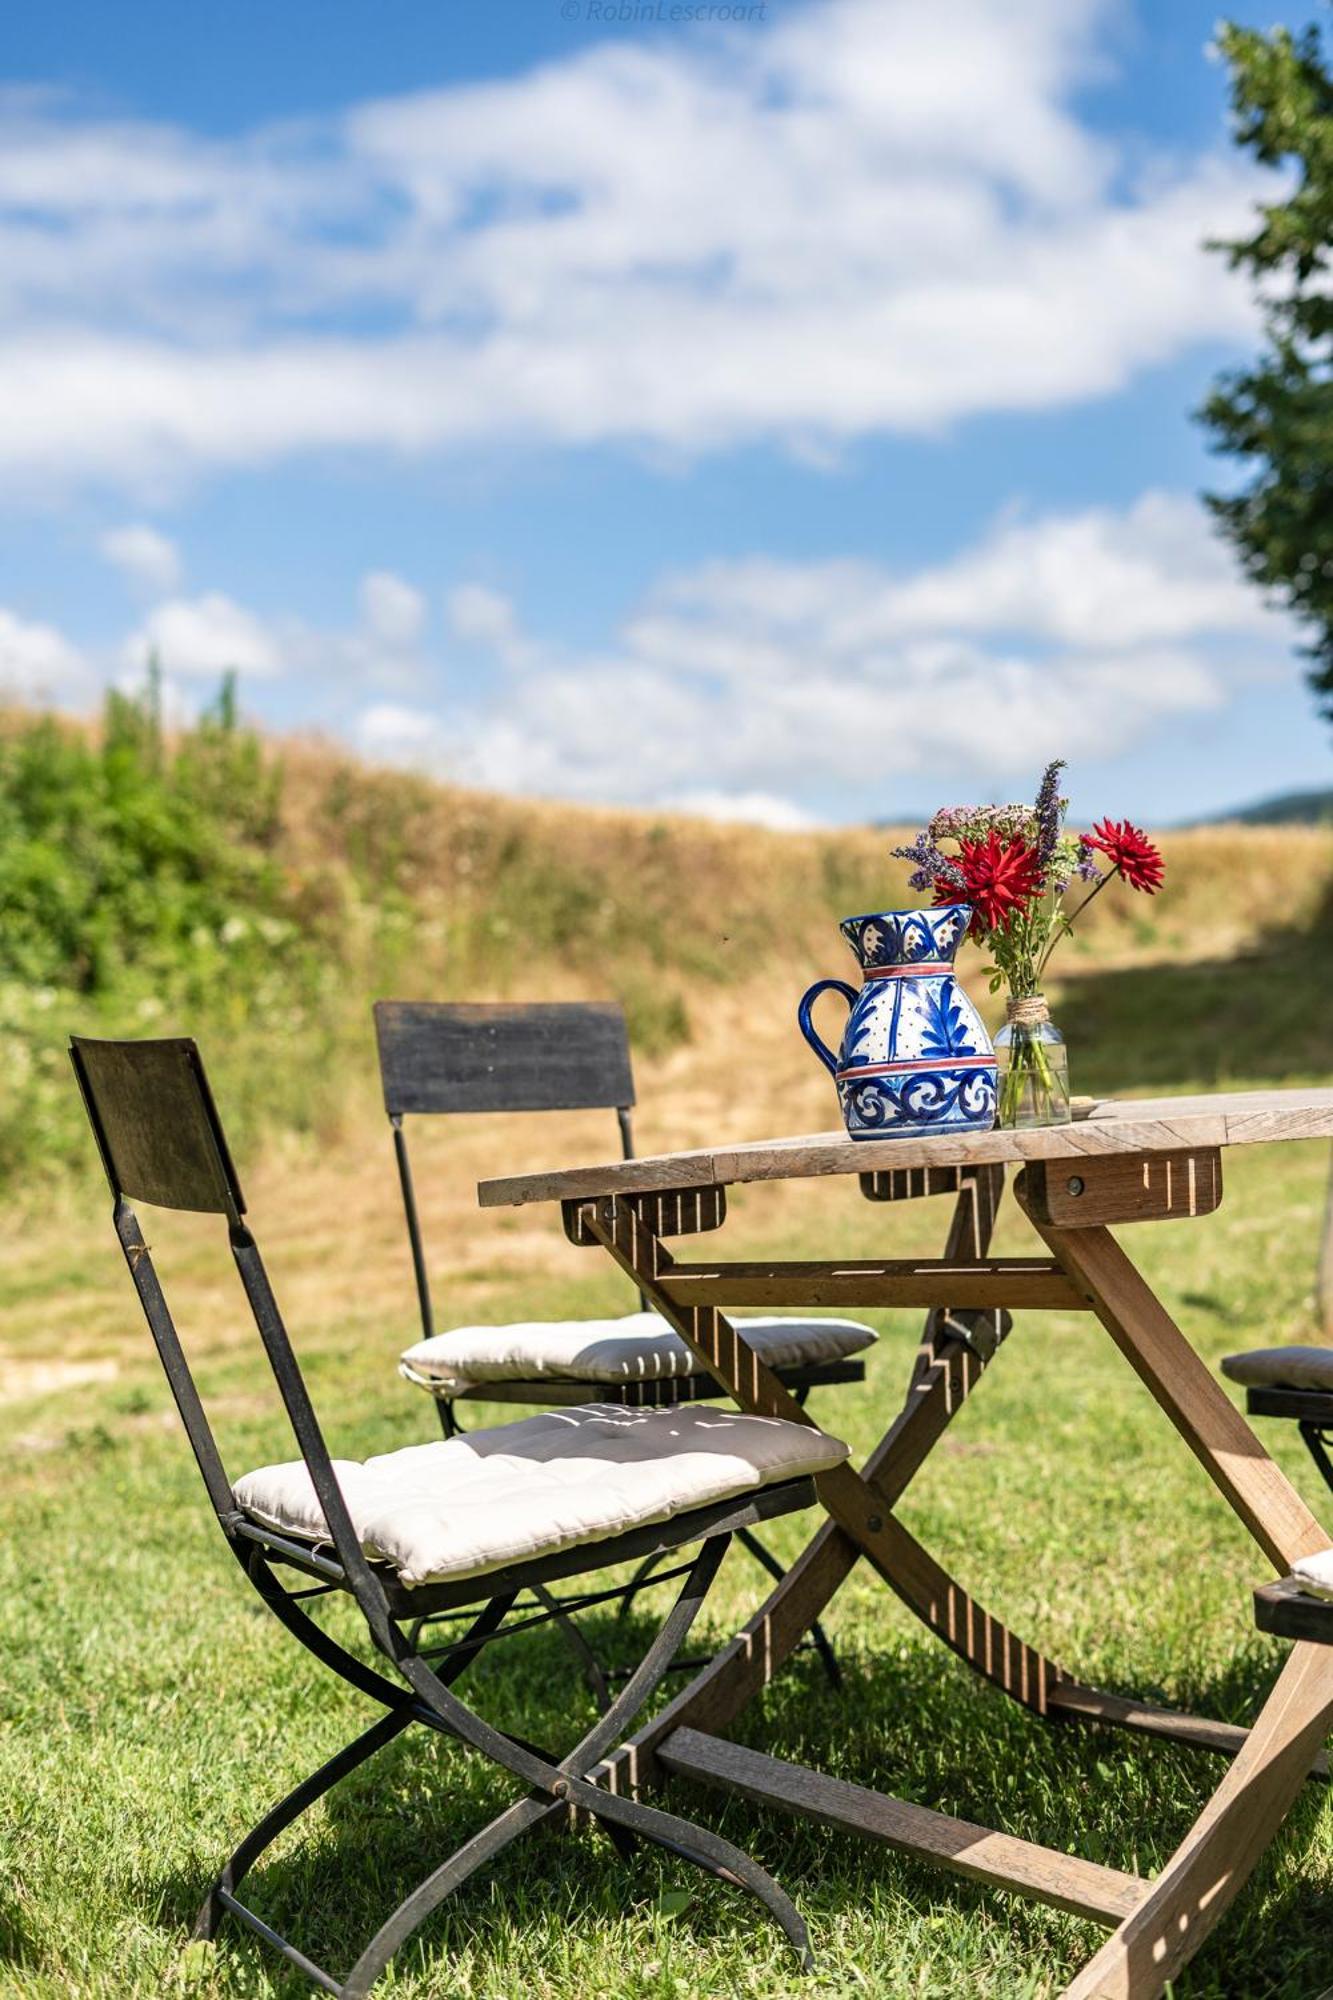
(916, 1057)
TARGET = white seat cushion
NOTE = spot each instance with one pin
(1314, 1573)
(1282, 1368)
(465, 1505)
(638, 1347)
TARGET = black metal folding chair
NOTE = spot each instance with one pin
(439, 1057)
(327, 1531)
(1295, 1383)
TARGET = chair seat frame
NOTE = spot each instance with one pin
(1310, 1409)
(661, 1392)
(1284, 1608)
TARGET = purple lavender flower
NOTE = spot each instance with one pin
(1051, 810)
(930, 866)
(1086, 867)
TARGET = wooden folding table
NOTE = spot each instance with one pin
(1128, 1162)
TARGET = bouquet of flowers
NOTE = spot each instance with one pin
(1018, 866)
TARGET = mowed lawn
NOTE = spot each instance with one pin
(150, 1710)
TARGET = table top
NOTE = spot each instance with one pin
(1123, 1125)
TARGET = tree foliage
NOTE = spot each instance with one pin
(1277, 416)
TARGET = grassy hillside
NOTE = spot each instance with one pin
(261, 894)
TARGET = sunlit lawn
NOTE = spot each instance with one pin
(151, 1710)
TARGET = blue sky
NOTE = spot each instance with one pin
(785, 417)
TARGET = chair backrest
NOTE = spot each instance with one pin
(156, 1125)
(452, 1056)
(162, 1142)
(439, 1056)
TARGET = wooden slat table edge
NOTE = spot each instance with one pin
(1134, 1126)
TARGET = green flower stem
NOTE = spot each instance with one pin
(1028, 1063)
(1022, 951)
(1066, 924)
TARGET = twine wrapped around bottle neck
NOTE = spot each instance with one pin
(1030, 1011)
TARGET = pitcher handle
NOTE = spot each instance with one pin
(807, 1026)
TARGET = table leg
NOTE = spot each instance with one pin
(1220, 1851)
(1214, 1429)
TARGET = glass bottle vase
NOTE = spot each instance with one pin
(1034, 1067)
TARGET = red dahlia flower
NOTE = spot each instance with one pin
(1000, 879)
(1130, 853)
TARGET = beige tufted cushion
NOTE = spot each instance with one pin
(637, 1347)
(1282, 1368)
(1314, 1573)
(465, 1505)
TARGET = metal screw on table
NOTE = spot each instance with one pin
(1075, 1184)
(875, 1523)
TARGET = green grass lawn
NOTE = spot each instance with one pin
(150, 1709)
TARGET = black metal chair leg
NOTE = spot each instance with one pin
(565, 1785)
(1316, 1439)
(819, 1638)
(406, 1709)
(709, 1852)
(589, 1664)
(639, 1581)
(290, 1808)
(413, 1911)
(586, 1659)
(619, 1817)
(556, 1789)
(694, 1843)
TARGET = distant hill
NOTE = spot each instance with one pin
(1287, 809)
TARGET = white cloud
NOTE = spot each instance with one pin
(865, 216)
(752, 687)
(478, 613)
(213, 634)
(147, 557)
(746, 809)
(37, 663)
(1097, 578)
(209, 635)
(393, 733)
(1102, 578)
(393, 611)
(479, 616)
(765, 690)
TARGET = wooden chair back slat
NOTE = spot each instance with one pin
(439, 1056)
(156, 1125)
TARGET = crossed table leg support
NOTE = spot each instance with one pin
(1156, 1926)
